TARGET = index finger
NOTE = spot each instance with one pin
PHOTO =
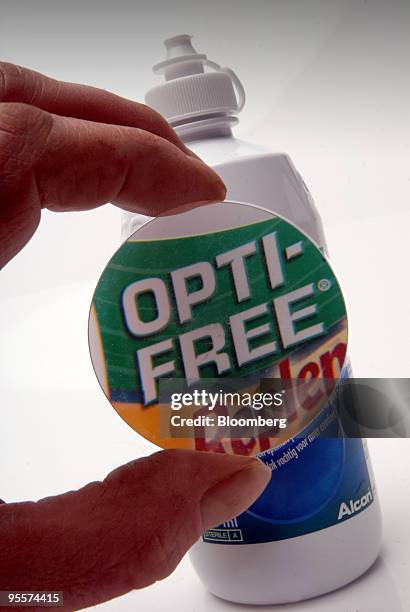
(18, 84)
(66, 164)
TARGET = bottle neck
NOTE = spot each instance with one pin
(203, 127)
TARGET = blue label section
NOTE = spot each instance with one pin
(317, 482)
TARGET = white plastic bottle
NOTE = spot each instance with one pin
(309, 554)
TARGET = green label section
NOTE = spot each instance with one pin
(246, 268)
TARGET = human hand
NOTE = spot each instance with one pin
(127, 531)
(70, 147)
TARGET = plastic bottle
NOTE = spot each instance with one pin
(305, 558)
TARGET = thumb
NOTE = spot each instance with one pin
(128, 531)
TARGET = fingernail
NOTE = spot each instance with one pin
(235, 494)
(212, 186)
(220, 188)
(216, 192)
(190, 152)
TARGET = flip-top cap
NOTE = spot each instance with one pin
(191, 91)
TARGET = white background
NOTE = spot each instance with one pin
(327, 82)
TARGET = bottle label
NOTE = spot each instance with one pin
(317, 482)
(247, 302)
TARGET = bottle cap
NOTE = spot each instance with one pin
(190, 91)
